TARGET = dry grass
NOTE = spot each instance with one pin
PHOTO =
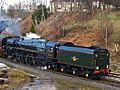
(15, 77)
(26, 24)
(54, 26)
(70, 85)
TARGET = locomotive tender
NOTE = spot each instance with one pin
(92, 62)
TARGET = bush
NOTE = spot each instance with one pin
(32, 28)
(114, 67)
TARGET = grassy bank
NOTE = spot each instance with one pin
(15, 78)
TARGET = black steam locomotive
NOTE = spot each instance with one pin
(91, 62)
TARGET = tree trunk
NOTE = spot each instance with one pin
(106, 36)
(71, 6)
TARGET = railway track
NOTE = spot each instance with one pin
(115, 75)
(103, 84)
(113, 79)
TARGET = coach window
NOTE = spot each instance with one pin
(51, 49)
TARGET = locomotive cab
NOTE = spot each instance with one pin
(53, 48)
(52, 53)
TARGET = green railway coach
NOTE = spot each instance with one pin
(86, 61)
(84, 57)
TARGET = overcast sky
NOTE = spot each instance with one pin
(12, 2)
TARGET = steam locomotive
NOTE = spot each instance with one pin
(91, 62)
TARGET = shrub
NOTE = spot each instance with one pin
(32, 28)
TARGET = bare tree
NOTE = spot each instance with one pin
(2, 3)
(34, 3)
(106, 28)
